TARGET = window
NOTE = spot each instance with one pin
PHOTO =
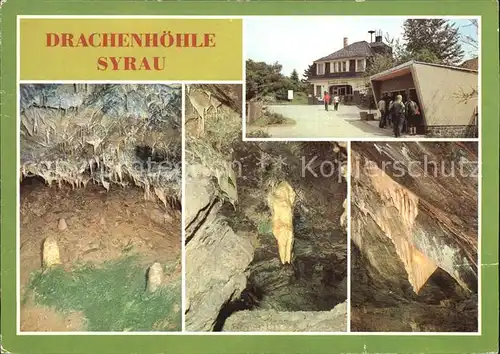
(318, 91)
(360, 64)
(320, 68)
(344, 66)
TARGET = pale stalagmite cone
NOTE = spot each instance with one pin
(281, 199)
(50, 253)
(61, 225)
(155, 277)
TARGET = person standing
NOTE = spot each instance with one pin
(389, 112)
(326, 98)
(336, 101)
(398, 113)
(382, 109)
(412, 113)
(387, 100)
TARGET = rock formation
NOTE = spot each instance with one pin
(234, 278)
(216, 257)
(414, 213)
(155, 277)
(281, 201)
(107, 134)
(298, 321)
(50, 253)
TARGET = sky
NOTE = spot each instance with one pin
(295, 42)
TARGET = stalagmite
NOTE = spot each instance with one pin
(155, 277)
(281, 201)
(61, 225)
(50, 253)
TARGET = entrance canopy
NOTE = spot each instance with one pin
(440, 90)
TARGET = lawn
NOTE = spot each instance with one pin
(299, 98)
(111, 297)
(271, 118)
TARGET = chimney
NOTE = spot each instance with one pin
(378, 36)
(345, 42)
(371, 35)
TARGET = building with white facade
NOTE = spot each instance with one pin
(342, 73)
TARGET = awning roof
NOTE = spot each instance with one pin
(405, 68)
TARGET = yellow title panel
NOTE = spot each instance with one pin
(131, 49)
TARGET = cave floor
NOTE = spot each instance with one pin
(101, 226)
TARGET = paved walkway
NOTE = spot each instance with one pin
(312, 121)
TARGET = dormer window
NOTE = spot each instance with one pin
(360, 65)
(320, 68)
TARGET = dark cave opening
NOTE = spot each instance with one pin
(248, 300)
(146, 154)
(381, 302)
(307, 284)
(316, 280)
(30, 183)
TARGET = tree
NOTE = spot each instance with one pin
(295, 79)
(437, 36)
(401, 54)
(305, 85)
(264, 79)
(472, 41)
(308, 72)
(379, 63)
(463, 95)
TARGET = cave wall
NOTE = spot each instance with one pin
(107, 134)
(430, 216)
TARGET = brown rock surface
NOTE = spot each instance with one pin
(414, 214)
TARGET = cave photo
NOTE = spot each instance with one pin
(414, 236)
(100, 212)
(265, 223)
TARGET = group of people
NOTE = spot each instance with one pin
(329, 100)
(404, 117)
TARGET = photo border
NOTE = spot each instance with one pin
(239, 343)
